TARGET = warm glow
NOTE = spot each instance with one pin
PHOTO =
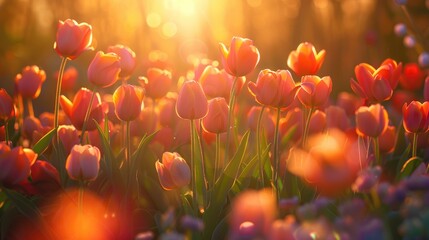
(169, 29)
(153, 20)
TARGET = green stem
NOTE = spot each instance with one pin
(377, 151)
(307, 128)
(58, 91)
(230, 118)
(127, 162)
(6, 131)
(258, 147)
(88, 112)
(217, 159)
(414, 153)
(276, 151)
(193, 170)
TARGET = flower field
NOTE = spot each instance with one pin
(229, 149)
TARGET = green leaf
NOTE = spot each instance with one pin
(402, 160)
(143, 143)
(44, 142)
(409, 167)
(108, 156)
(221, 230)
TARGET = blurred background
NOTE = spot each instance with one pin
(177, 32)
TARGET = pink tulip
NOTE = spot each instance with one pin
(104, 69)
(29, 82)
(173, 171)
(314, 91)
(157, 83)
(70, 76)
(128, 100)
(371, 121)
(216, 120)
(127, 59)
(305, 60)
(416, 117)
(73, 38)
(214, 82)
(191, 101)
(83, 163)
(274, 89)
(241, 58)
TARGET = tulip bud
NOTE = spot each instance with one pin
(127, 59)
(83, 163)
(416, 117)
(157, 83)
(73, 38)
(241, 58)
(371, 121)
(104, 69)
(29, 82)
(128, 101)
(305, 60)
(191, 101)
(216, 120)
(6, 106)
(173, 171)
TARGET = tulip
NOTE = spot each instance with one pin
(73, 38)
(68, 136)
(191, 101)
(314, 91)
(241, 58)
(30, 125)
(76, 110)
(45, 179)
(70, 76)
(173, 171)
(376, 85)
(128, 101)
(216, 119)
(6, 106)
(29, 82)
(15, 164)
(214, 82)
(83, 163)
(127, 59)
(104, 69)
(371, 121)
(412, 77)
(267, 121)
(387, 139)
(254, 211)
(157, 83)
(416, 117)
(305, 60)
(274, 89)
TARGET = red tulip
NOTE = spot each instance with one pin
(157, 83)
(191, 101)
(6, 106)
(29, 82)
(45, 179)
(426, 89)
(314, 91)
(76, 110)
(241, 58)
(416, 117)
(217, 117)
(128, 100)
(376, 85)
(412, 77)
(104, 69)
(70, 76)
(371, 121)
(274, 89)
(68, 136)
(173, 171)
(83, 163)
(127, 59)
(73, 38)
(15, 164)
(305, 60)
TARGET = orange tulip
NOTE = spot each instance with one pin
(274, 89)
(127, 59)
(15, 164)
(157, 83)
(29, 82)
(191, 101)
(83, 163)
(305, 60)
(128, 100)
(314, 91)
(376, 85)
(241, 58)
(6, 106)
(173, 171)
(73, 38)
(416, 117)
(76, 110)
(371, 121)
(104, 69)
(217, 117)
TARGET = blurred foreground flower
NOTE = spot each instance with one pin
(73, 38)
(305, 60)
